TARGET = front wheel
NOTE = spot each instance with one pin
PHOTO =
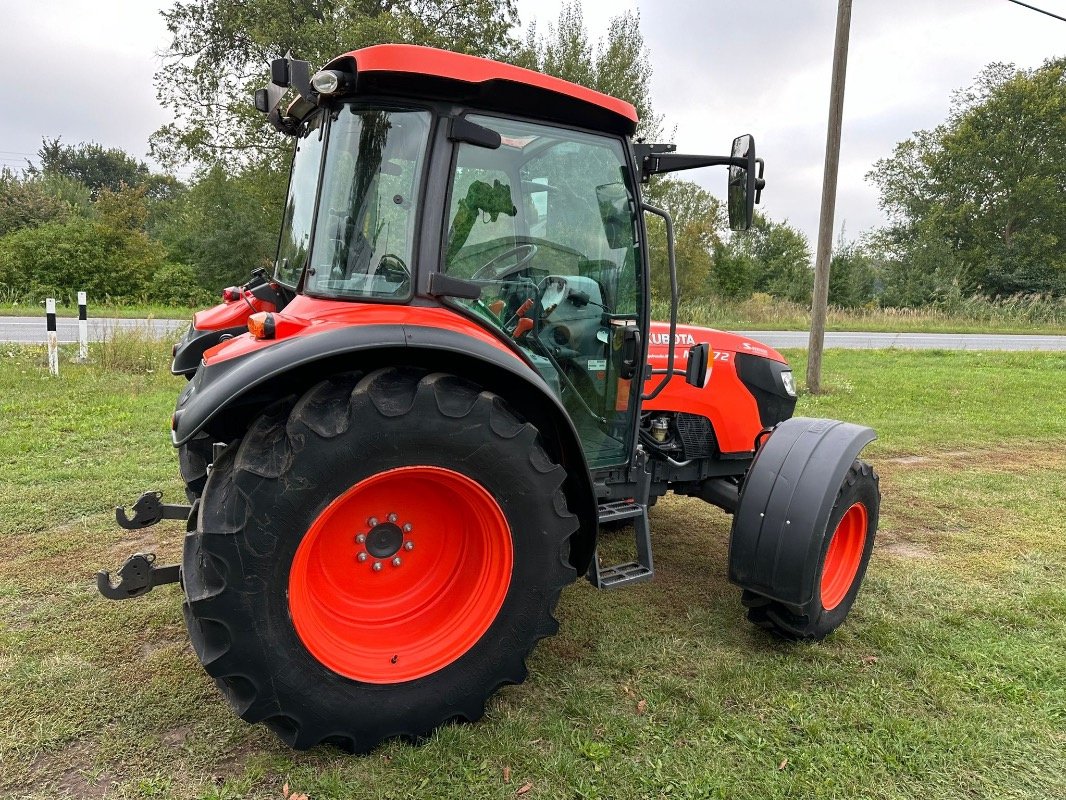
(846, 545)
(376, 559)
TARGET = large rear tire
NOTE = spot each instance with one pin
(193, 459)
(847, 543)
(376, 559)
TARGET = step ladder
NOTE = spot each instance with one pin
(629, 572)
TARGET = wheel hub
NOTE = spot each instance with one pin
(384, 540)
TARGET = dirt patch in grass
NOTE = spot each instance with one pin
(904, 549)
(70, 772)
(996, 459)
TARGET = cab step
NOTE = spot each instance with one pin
(629, 572)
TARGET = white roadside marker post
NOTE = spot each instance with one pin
(83, 329)
(53, 338)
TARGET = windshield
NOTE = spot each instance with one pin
(363, 234)
(546, 225)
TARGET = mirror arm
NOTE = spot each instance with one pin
(668, 373)
(658, 163)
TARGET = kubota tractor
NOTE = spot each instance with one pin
(401, 445)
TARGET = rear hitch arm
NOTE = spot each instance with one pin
(148, 510)
(136, 577)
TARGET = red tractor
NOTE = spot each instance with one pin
(401, 445)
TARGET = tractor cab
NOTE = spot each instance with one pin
(513, 200)
(541, 241)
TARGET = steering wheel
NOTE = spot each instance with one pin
(392, 269)
(524, 253)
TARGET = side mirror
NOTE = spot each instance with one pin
(696, 370)
(742, 184)
(616, 213)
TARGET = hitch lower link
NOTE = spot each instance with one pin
(139, 574)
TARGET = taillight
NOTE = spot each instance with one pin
(231, 294)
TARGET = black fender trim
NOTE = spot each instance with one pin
(189, 351)
(785, 503)
(293, 365)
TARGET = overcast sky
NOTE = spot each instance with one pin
(82, 70)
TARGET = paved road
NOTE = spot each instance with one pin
(31, 330)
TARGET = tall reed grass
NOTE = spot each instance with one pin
(763, 311)
(135, 350)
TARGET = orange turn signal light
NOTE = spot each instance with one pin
(261, 325)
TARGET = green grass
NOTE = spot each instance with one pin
(948, 680)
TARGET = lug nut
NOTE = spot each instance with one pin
(361, 557)
(377, 566)
(372, 522)
(361, 538)
(393, 517)
(407, 527)
(408, 545)
(396, 561)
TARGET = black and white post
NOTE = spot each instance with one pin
(53, 337)
(83, 329)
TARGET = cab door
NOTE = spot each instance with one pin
(547, 224)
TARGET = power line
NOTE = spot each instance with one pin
(1034, 8)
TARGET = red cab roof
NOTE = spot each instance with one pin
(498, 84)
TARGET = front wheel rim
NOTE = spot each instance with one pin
(844, 556)
(401, 575)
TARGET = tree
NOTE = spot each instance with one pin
(28, 202)
(619, 64)
(852, 274)
(225, 226)
(698, 217)
(106, 252)
(986, 190)
(92, 165)
(772, 257)
(220, 51)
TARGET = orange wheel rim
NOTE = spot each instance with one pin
(843, 557)
(401, 575)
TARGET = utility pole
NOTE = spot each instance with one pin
(820, 298)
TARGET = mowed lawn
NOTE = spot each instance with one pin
(948, 680)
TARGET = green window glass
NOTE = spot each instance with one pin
(546, 224)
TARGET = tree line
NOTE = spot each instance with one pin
(976, 206)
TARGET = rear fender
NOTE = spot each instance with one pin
(785, 503)
(189, 352)
(225, 396)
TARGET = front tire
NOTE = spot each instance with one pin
(376, 559)
(847, 544)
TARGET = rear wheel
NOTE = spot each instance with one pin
(193, 459)
(847, 543)
(376, 559)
